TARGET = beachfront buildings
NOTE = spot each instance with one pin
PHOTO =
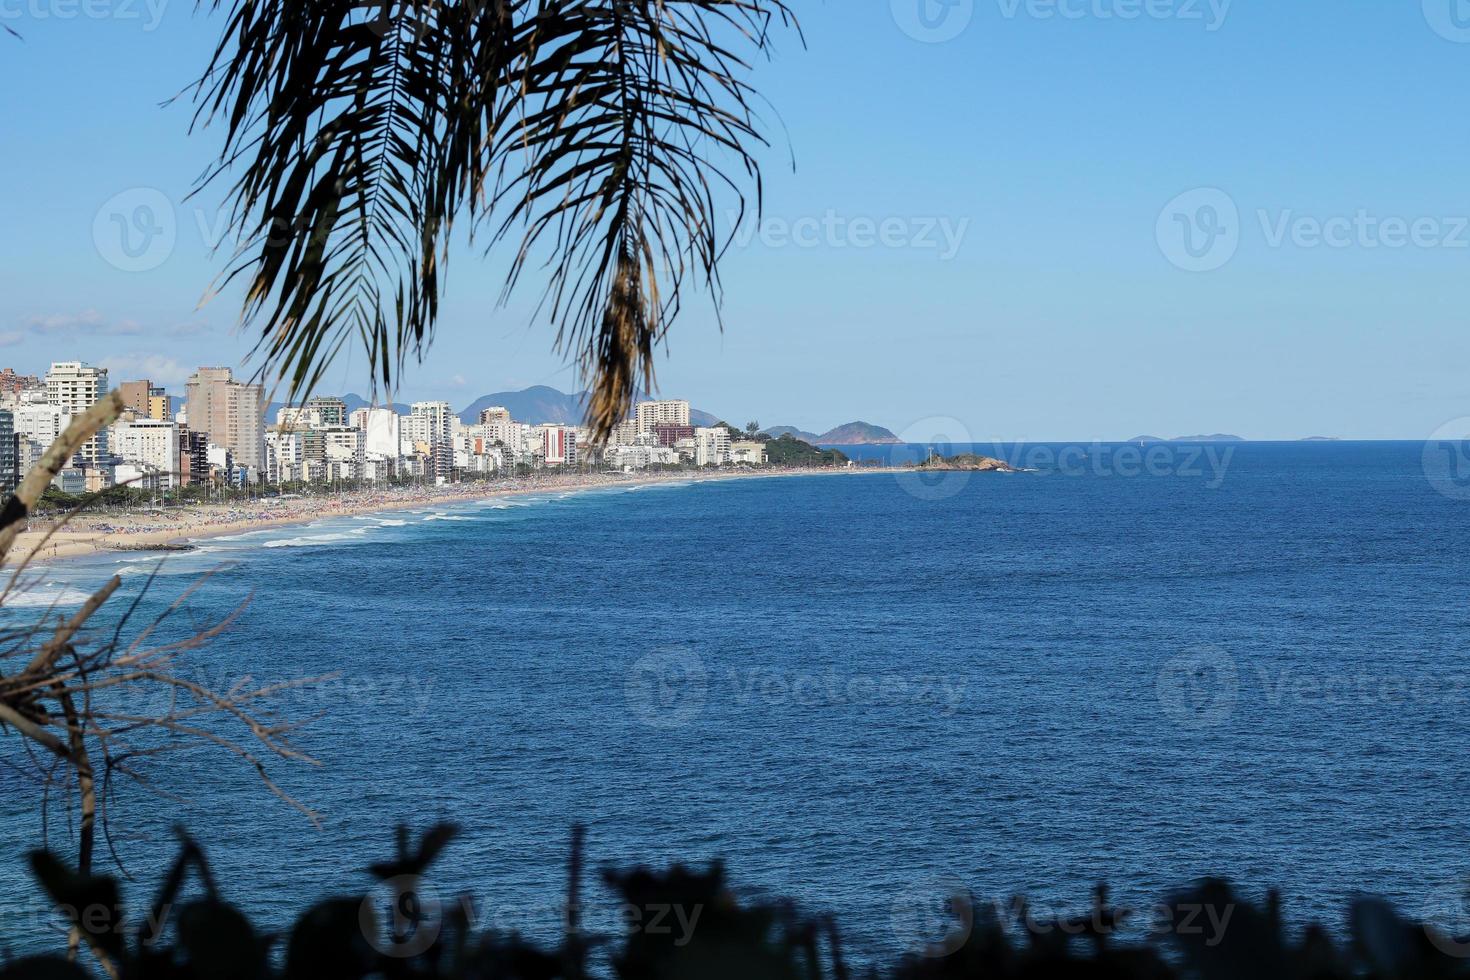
(647, 415)
(9, 453)
(752, 452)
(712, 446)
(149, 448)
(333, 453)
(73, 387)
(145, 400)
(331, 411)
(382, 430)
(220, 436)
(37, 424)
(558, 445)
(230, 413)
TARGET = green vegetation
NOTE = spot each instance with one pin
(790, 451)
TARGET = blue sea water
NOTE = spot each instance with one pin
(855, 689)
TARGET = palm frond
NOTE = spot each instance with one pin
(589, 130)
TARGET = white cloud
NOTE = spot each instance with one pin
(85, 321)
(154, 367)
(88, 322)
(10, 338)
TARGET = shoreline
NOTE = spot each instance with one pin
(161, 532)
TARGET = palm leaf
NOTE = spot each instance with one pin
(597, 135)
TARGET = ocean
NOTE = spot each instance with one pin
(856, 690)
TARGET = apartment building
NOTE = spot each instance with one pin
(73, 387)
(150, 446)
(654, 413)
(230, 413)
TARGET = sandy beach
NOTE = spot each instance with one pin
(89, 532)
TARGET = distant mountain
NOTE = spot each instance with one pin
(536, 405)
(353, 403)
(540, 404)
(1321, 439)
(857, 434)
(851, 434)
(777, 431)
(1217, 437)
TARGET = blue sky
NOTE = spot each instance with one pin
(1054, 219)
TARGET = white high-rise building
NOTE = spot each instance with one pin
(75, 387)
(431, 421)
(712, 446)
(669, 412)
(558, 444)
(150, 445)
(40, 422)
(381, 432)
(283, 455)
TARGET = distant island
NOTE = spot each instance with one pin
(968, 461)
(1216, 437)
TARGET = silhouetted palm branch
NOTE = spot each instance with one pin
(591, 130)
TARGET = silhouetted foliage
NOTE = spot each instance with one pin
(686, 923)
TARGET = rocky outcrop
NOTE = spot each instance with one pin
(968, 461)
